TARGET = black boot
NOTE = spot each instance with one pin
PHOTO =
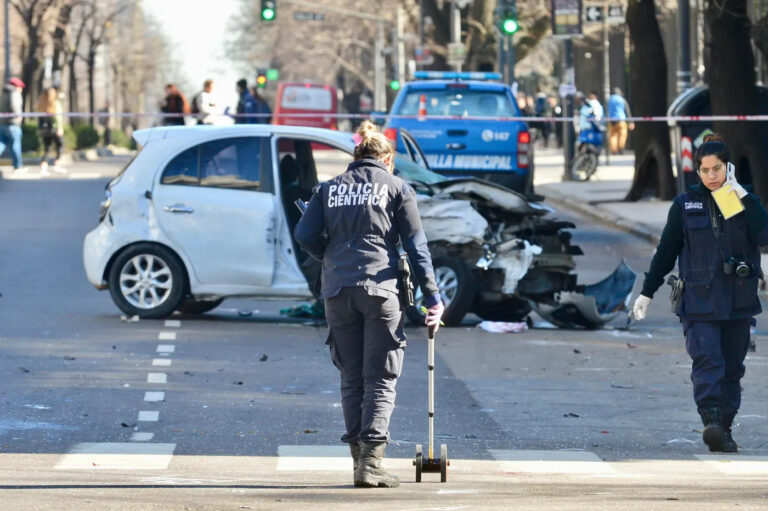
(354, 450)
(714, 433)
(729, 444)
(369, 473)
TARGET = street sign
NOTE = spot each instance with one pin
(308, 16)
(566, 89)
(593, 13)
(566, 18)
(615, 14)
(423, 56)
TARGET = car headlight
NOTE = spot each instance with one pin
(104, 206)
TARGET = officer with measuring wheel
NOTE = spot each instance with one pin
(713, 231)
(353, 224)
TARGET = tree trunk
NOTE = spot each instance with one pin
(731, 77)
(74, 105)
(91, 89)
(481, 38)
(648, 82)
(60, 40)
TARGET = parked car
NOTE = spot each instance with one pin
(205, 213)
(464, 123)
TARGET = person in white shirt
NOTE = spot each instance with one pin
(204, 105)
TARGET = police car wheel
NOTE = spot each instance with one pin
(191, 306)
(147, 280)
(457, 290)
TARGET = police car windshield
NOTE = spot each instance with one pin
(462, 102)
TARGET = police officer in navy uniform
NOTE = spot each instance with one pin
(719, 262)
(353, 224)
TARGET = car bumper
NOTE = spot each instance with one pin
(98, 247)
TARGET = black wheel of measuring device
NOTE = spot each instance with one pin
(443, 463)
(418, 462)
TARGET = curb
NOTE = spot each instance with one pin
(606, 217)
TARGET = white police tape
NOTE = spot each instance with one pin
(328, 116)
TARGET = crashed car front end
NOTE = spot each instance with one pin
(520, 258)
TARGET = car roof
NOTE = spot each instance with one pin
(146, 135)
(471, 84)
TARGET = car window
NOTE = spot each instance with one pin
(231, 163)
(461, 102)
(413, 151)
(182, 170)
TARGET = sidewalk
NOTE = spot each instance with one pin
(602, 197)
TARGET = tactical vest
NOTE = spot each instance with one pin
(709, 241)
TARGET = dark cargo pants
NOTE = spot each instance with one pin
(718, 349)
(367, 343)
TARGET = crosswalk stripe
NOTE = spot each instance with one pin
(551, 462)
(736, 465)
(117, 456)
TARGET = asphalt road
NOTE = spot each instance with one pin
(239, 408)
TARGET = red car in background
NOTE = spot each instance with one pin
(306, 104)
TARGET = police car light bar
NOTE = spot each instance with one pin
(454, 75)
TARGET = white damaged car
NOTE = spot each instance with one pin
(204, 213)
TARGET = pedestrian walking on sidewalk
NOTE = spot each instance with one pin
(51, 128)
(353, 224)
(10, 126)
(176, 105)
(719, 263)
(618, 108)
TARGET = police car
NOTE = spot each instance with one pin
(462, 121)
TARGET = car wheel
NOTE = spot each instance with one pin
(457, 290)
(147, 280)
(199, 306)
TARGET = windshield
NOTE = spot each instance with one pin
(462, 102)
(408, 170)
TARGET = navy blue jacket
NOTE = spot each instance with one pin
(710, 294)
(353, 224)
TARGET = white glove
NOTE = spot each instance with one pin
(731, 180)
(434, 314)
(640, 307)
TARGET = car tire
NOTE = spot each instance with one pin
(457, 290)
(147, 280)
(199, 306)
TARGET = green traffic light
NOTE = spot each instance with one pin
(394, 85)
(268, 14)
(510, 26)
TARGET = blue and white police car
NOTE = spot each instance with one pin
(464, 124)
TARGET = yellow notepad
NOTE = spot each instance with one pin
(728, 201)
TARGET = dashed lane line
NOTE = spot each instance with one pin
(161, 362)
(117, 456)
(154, 396)
(149, 416)
(173, 323)
(167, 336)
(157, 378)
(166, 348)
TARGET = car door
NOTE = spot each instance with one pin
(210, 203)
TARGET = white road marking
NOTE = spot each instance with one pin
(736, 465)
(83, 175)
(173, 323)
(551, 462)
(149, 416)
(167, 336)
(117, 456)
(154, 396)
(166, 348)
(161, 362)
(313, 457)
(157, 378)
(140, 436)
